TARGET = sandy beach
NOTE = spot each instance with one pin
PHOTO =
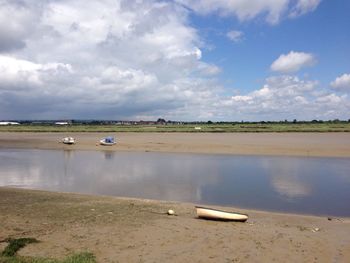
(134, 230)
(286, 144)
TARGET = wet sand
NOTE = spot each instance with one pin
(286, 144)
(134, 230)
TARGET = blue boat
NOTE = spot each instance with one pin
(108, 141)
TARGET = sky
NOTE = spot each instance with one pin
(188, 60)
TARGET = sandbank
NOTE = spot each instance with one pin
(282, 144)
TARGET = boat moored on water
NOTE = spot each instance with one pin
(215, 214)
(68, 140)
(108, 141)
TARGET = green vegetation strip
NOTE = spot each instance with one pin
(76, 258)
(16, 244)
(9, 254)
(341, 126)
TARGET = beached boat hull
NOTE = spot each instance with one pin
(68, 140)
(102, 142)
(214, 214)
(107, 143)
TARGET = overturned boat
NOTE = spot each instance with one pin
(108, 141)
(68, 140)
(220, 215)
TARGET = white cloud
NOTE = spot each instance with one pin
(238, 98)
(330, 99)
(17, 72)
(208, 69)
(235, 35)
(304, 6)
(342, 82)
(16, 22)
(278, 93)
(287, 97)
(134, 59)
(113, 59)
(249, 9)
(292, 62)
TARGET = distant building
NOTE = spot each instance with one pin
(61, 123)
(8, 123)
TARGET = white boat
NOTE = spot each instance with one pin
(215, 214)
(108, 141)
(68, 140)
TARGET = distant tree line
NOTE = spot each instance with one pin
(162, 121)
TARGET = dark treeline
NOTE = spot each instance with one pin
(161, 121)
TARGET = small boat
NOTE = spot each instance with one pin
(214, 214)
(108, 141)
(68, 140)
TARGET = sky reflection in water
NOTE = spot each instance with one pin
(290, 184)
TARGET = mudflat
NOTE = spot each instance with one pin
(135, 230)
(286, 144)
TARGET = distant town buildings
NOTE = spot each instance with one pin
(8, 123)
(61, 123)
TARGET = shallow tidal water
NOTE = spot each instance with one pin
(319, 186)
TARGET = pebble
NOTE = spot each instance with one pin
(171, 212)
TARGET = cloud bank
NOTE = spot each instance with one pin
(110, 59)
(342, 82)
(290, 97)
(140, 60)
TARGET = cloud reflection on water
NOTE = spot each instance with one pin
(107, 173)
(276, 183)
(288, 177)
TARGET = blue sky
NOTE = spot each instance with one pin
(246, 63)
(219, 60)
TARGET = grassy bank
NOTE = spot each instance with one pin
(236, 127)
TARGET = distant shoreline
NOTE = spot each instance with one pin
(279, 144)
(191, 127)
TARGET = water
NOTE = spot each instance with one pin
(318, 186)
